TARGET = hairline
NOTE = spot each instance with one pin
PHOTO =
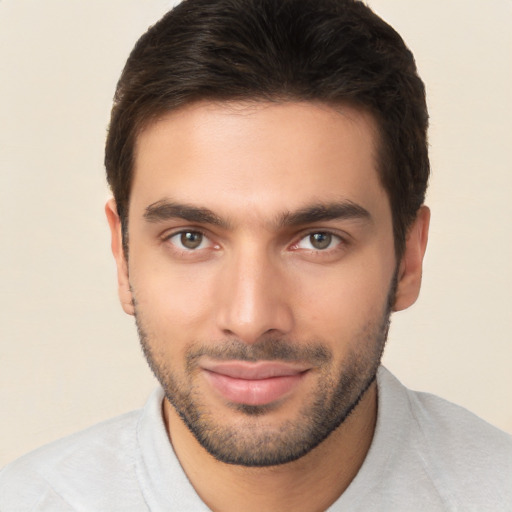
(159, 114)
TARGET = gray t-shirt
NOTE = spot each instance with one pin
(426, 455)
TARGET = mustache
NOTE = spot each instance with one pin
(269, 349)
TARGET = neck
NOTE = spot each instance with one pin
(311, 483)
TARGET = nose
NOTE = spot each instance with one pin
(254, 299)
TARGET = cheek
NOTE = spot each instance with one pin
(173, 299)
(341, 303)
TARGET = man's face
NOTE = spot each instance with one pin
(262, 271)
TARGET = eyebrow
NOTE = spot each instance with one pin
(323, 212)
(164, 209)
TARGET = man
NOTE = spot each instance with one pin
(268, 162)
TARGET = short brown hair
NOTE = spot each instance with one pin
(332, 51)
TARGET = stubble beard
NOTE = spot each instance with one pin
(252, 442)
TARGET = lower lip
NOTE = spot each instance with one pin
(253, 391)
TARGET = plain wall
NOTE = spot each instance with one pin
(69, 357)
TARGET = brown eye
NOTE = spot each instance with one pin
(191, 239)
(320, 240)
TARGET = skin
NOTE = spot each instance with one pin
(257, 277)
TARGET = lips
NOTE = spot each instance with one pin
(258, 383)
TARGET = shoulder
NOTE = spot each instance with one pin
(453, 429)
(49, 477)
(467, 460)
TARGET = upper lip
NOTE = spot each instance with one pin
(254, 370)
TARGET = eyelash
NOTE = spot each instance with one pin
(338, 241)
(183, 232)
(341, 241)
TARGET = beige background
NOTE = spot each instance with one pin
(68, 355)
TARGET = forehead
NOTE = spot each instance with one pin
(258, 157)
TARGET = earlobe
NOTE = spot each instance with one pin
(123, 283)
(411, 264)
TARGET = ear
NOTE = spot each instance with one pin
(123, 283)
(411, 264)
